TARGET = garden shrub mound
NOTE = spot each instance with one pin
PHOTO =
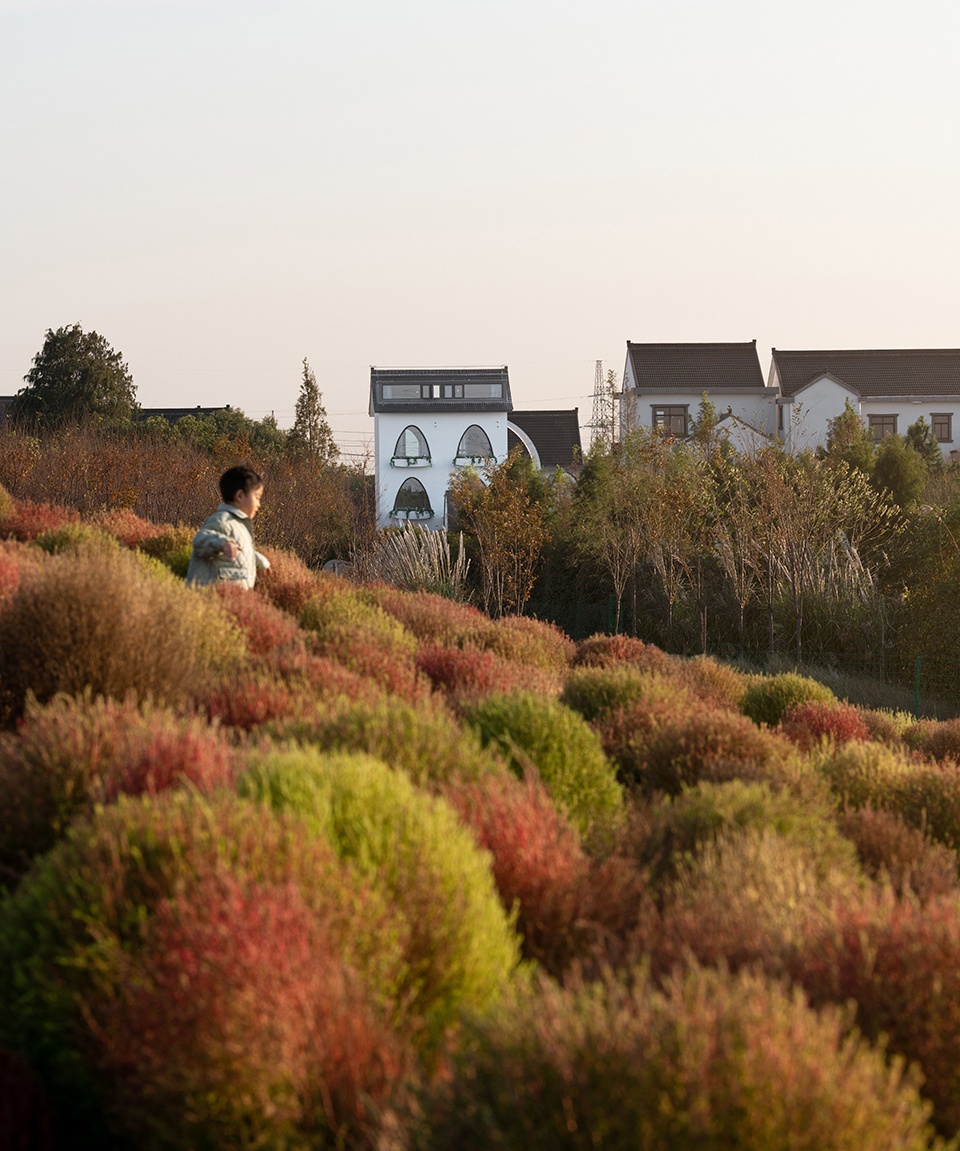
(899, 962)
(924, 795)
(99, 621)
(465, 673)
(595, 692)
(891, 851)
(77, 751)
(885, 727)
(424, 741)
(811, 723)
(461, 948)
(24, 520)
(717, 684)
(75, 538)
(942, 741)
(267, 627)
(172, 546)
(127, 527)
(612, 650)
(15, 558)
(531, 643)
(713, 1061)
(768, 698)
(748, 898)
(75, 933)
(288, 582)
(662, 747)
(186, 1051)
(533, 733)
(435, 619)
(679, 827)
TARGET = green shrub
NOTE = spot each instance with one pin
(594, 692)
(766, 700)
(172, 546)
(713, 1061)
(531, 642)
(75, 538)
(73, 934)
(99, 621)
(461, 946)
(532, 732)
(424, 740)
(717, 684)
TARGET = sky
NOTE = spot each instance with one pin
(222, 189)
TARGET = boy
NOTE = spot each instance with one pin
(223, 547)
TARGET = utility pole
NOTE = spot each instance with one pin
(603, 421)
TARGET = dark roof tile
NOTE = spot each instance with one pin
(883, 372)
(696, 367)
(555, 434)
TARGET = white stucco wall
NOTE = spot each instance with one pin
(442, 431)
(806, 419)
(752, 408)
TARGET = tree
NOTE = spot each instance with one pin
(848, 439)
(921, 438)
(311, 435)
(900, 470)
(75, 375)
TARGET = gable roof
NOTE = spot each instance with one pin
(878, 372)
(696, 367)
(435, 390)
(555, 435)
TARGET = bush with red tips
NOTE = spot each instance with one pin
(717, 684)
(611, 650)
(288, 582)
(249, 700)
(76, 752)
(891, 851)
(16, 558)
(127, 527)
(942, 741)
(25, 520)
(712, 1060)
(885, 726)
(899, 962)
(531, 642)
(245, 1017)
(435, 619)
(266, 626)
(810, 723)
(468, 673)
(595, 692)
(768, 698)
(172, 546)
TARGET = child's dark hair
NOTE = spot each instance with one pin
(237, 478)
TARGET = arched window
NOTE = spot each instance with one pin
(412, 445)
(475, 444)
(412, 502)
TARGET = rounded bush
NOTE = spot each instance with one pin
(76, 752)
(890, 850)
(810, 723)
(288, 582)
(127, 527)
(536, 733)
(74, 933)
(172, 546)
(461, 948)
(595, 692)
(99, 621)
(469, 673)
(885, 726)
(717, 684)
(611, 650)
(943, 741)
(435, 619)
(266, 626)
(711, 1061)
(26, 520)
(531, 642)
(766, 700)
(75, 538)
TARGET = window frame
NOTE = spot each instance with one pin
(661, 416)
(421, 459)
(463, 458)
(947, 417)
(401, 511)
(878, 427)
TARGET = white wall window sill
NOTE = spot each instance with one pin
(412, 513)
(410, 462)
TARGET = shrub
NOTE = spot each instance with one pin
(468, 673)
(539, 734)
(748, 898)
(266, 627)
(246, 1019)
(26, 520)
(99, 621)
(73, 935)
(943, 741)
(74, 538)
(288, 583)
(594, 692)
(423, 741)
(680, 827)
(890, 850)
(713, 1061)
(717, 684)
(435, 619)
(172, 546)
(127, 527)
(530, 642)
(15, 558)
(766, 700)
(249, 700)
(885, 726)
(900, 963)
(74, 753)
(461, 947)
(611, 650)
(810, 723)
(660, 748)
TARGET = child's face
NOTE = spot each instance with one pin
(249, 502)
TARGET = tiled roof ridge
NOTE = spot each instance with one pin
(687, 344)
(865, 351)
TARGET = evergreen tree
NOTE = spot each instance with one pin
(848, 439)
(921, 439)
(900, 470)
(311, 435)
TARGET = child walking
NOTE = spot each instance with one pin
(223, 547)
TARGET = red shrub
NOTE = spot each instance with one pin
(606, 650)
(889, 848)
(265, 625)
(432, 618)
(25, 1118)
(288, 583)
(394, 671)
(321, 677)
(807, 724)
(246, 1018)
(127, 527)
(468, 673)
(942, 741)
(248, 701)
(27, 520)
(900, 963)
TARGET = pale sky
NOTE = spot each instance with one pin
(221, 189)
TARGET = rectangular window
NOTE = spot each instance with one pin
(942, 425)
(483, 391)
(881, 426)
(671, 418)
(400, 391)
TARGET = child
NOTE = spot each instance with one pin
(223, 547)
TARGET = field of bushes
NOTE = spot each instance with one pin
(344, 866)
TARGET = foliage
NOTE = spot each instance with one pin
(539, 735)
(25, 520)
(609, 650)
(921, 438)
(767, 700)
(434, 618)
(900, 470)
(711, 1061)
(98, 620)
(530, 642)
(596, 691)
(891, 851)
(311, 435)
(849, 439)
(415, 559)
(809, 723)
(75, 375)
(460, 946)
(467, 673)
